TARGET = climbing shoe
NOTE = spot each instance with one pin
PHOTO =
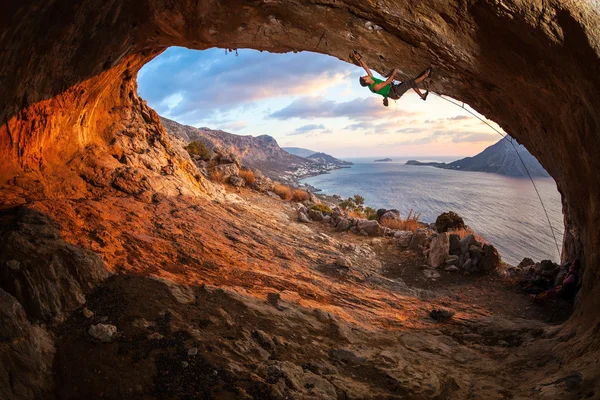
(385, 101)
(425, 95)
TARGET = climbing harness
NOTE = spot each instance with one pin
(511, 141)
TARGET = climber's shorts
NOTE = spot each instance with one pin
(397, 90)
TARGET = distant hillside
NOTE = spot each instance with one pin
(322, 158)
(499, 158)
(261, 152)
(298, 151)
(327, 159)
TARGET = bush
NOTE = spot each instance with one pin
(411, 223)
(370, 213)
(217, 176)
(449, 220)
(347, 204)
(300, 195)
(324, 208)
(358, 200)
(196, 148)
(247, 176)
(285, 192)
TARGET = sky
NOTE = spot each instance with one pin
(306, 100)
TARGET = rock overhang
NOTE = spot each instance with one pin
(68, 73)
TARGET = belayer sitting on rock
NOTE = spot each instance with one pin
(566, 291)
(387, 88)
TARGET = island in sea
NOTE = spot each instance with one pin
(384, 160)
(501, 158)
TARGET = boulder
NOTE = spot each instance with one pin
(390, 216)
(327, 219)
(369, 228)
(476, 254)
(526, 263)
(466, 243)
(468, 265)
(438, 250)
(380, 213)
(454, 244)
(343, 225)
(226, 170)
(451, 268)
(490, 260)
(302, 217)
(103, 332)
(441, 314)
(452, 260)
(342, 261)
(313, 198)
(263, 184)
(418, 240)
(228, 159)
(315, 215)
(236, 181)
(403, 238)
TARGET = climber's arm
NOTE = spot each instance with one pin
(386, 82)
(358, 58)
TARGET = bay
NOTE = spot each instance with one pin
(504, 210)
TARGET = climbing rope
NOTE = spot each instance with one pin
(511, 141)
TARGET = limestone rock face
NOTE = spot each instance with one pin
(52, 276)
(26, 352)
(62, 95)
(72, 125)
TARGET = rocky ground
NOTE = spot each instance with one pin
(230, 297)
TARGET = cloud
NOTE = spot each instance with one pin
(459, 118)
(360, 126)
(310, 130)
(411, 130)
(319, 107)
(451, 136)
(191, 86)
(475, 137)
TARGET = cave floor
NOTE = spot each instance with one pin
(229, 297)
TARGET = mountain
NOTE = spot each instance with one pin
(327, 159)
(261, 152)
(298, 151)
(322, 158)
(500, 158)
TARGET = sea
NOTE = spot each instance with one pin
(506, 211)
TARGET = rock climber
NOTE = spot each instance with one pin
(566, 291)
(387, 88)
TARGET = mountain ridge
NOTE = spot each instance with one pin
(499, 158)
(258, 152)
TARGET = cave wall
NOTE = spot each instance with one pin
(68, 76)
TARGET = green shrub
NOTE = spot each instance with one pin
(449, 220)
(196, 148)
(347, 204)
(370, 213)
(324, 208)
(358, 200)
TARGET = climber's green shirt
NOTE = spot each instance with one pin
(384, 91)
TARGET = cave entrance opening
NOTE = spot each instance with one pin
(310, 100)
